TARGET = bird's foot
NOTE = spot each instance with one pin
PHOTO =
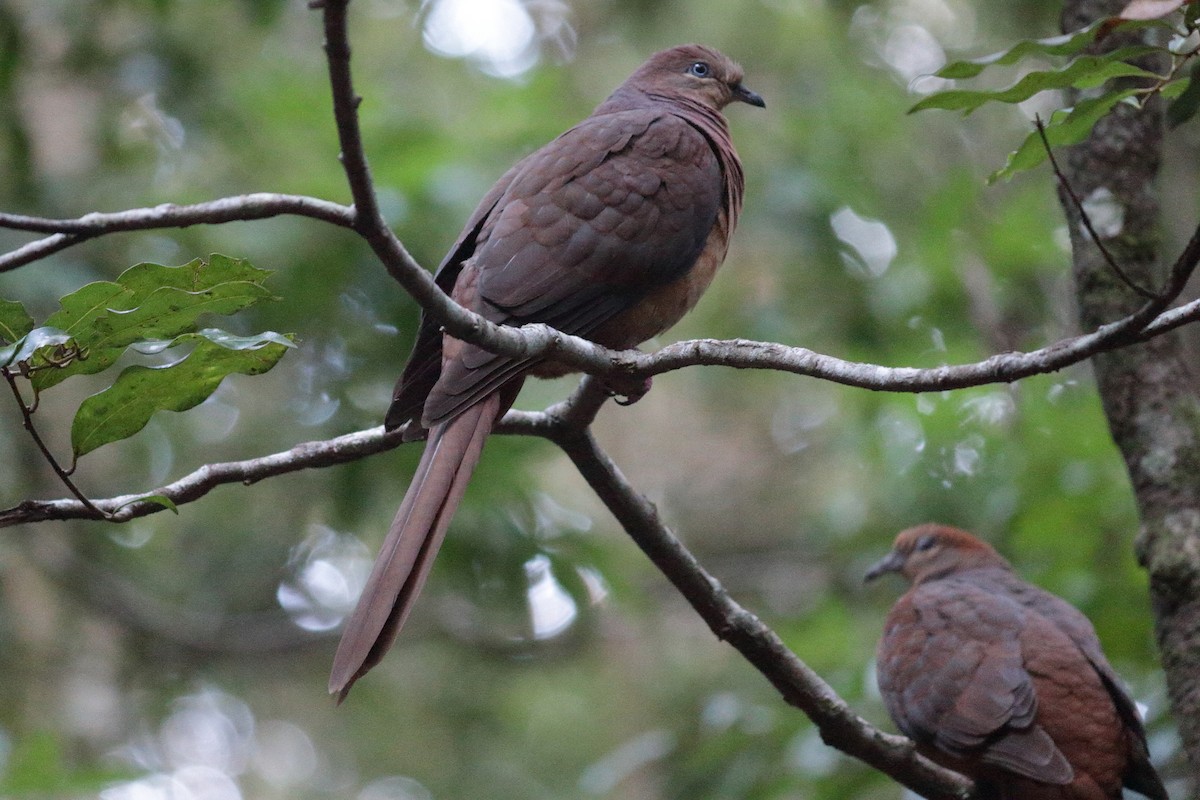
(626, 390)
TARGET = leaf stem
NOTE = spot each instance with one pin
(63, 475)
(1086, 219)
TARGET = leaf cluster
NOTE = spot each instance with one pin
(1100, 80)
(149, 308)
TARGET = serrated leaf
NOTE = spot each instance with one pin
(1068, 44)
(15, 321)
(149, 301)
(124, 408)
(1082, 73)
(1187, 101)
(1063, 45)
(136, 284)
(1065, 127)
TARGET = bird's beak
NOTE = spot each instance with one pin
(892, 562)
(746, 96)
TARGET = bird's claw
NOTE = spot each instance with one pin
(627, 391)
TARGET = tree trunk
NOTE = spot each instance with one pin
(1149, 392)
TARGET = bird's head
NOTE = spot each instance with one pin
(697, 73)
(933, 551)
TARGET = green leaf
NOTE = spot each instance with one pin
(149, 301)
(124, 408)
(1068, 44)
(1064, 45)
(15, 321)
(1065, 127)
(1187, 102)
(41, 344)
(1082, 73)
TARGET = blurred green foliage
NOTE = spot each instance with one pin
(160, 649)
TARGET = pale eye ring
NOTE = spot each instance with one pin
(700, 69)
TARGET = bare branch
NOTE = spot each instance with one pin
(193, 486)
(800, 686)
(68, 232)
(36, 251)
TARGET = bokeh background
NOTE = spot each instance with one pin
(186, 656)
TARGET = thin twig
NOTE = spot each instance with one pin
(1085, 217)
(62, 474)
(68, 232)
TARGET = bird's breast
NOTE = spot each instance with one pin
(665, 305)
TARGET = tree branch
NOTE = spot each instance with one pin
(567, 424)
(197, 484)
(542, 341)
(69, 232)
(736, 353)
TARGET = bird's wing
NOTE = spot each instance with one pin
(619, 205)
(952, 674)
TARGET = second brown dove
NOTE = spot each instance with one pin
(1002, 681)
(611, 232)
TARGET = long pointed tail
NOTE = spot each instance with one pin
(412, 542)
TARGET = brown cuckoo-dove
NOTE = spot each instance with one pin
(1002, 681)
(610, 232)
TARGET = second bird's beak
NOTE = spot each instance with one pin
(892, 562)
(746, 96)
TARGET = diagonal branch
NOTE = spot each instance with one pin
(800, 686)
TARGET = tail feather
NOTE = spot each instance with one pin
(412, 542)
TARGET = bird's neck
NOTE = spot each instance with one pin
(708, 120)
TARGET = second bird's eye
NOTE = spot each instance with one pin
(926, 543)
(700, 69)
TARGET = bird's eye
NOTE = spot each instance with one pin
(700, 69)
(925, 543)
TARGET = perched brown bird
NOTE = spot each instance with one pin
(1002, 681)
(611, 232)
